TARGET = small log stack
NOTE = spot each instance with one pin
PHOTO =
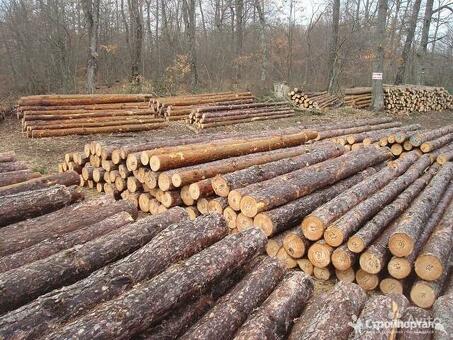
(212, 116)
(314, 100)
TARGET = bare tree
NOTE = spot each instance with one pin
(332, 64)
(136, 36)
(377, 89)
(91, 11)
(190, 24)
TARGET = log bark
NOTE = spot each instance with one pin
(201, 189)
(65, 178)
(68, 100)
(13, 177)
(328, 316)
(326, 133)
(9, 156)
(320, 152)
(419, 138)
(366, 281)
(319, 254)
(295, 243)
(23, 284)
(343, 227)
(275, 316)
(302, 182)
(217, 205)
(306, 266)
(390, 285)
(219, 260)
(347, 275)
(233, 309)
(184, 158)
(365, 236)
(12, 166)
(343, 258)
(19, 207)
(55, 244)
(436, 143)
(387, 309)
(443, 312)
(289, 215)
(409, 228)
(19, 236)
(418, 319)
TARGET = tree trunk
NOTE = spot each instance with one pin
(223, 319)
(286, 216)
(91, 11)
(377, 88)
(13, 177)
(365, 236)
(67, 178)
(23, 284)
(328, 316)
(423, 50)
(436, 143)
(443, 312)
(136, 38)
(343, 258)
(333, 47)
(190, 29)
(409, 227)
(380, 308)
(19, 207)
(275, 316)
(19, 236)
(197, 272)
(401, 73)
(303, 182)
(333, 132)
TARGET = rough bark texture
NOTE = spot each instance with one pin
(347, 275)
(324, 216)
(443, 311)
(380, 308)
(302, 182)
(238, 179)
(436, 143)
(18, 207)
(289, 215)
(365, 236)
(19, 236)
(418, 330)
(410, 226)
(23, 284)
(12, 166)
(328, 316)
(13, 177)
(9, 156)
(64, 178)
(55, 244)
(328, 133)
(418, 139)
(233, 309)
(148, 302)
(275, 316)
(353, 219)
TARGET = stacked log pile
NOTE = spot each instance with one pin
(212, 116)
(403, 99)
(314, 100)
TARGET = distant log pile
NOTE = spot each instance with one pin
(212, 116)
(314, 100)
(403, 99)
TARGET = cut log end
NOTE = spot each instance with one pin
(341, 260)
(220, 186)
(287, 260)
(401, 244)
(175, 179)
(313, 228)
(306, 266)
(347, 275)
(428, 267)
(390, 285)
(370, 263)
(234, 200)
(263, 222)
(366, 280)
(322, 274)
(334, 236)
(399, 267)
(249, 206)
(164, 182)
(319, 254)
(423, 295)
(294, 245)
(230, 217)
(356, 244)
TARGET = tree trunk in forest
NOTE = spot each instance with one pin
(377, 88)
(12, 166)
(91, 11)
(401, 73)
(333, 308)
(259, 5)
(333, 47)
(275, 316)
(239, 36)
(189, 17)
(197, 272)
(423, 49)
(136, 37)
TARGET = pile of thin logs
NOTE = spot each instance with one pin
(424, 140)
(221, 115)
(314, 100)
(62, 115)
(178, 108)
(403, 99)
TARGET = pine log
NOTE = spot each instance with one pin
(343, 258)
(320, 152)
(274, 244)
(243, 222)
(217, 205)
(319, 254)
(9, 156)
(192, 212)
(202, 205)
(302, 182)
(409, 228)
(275, 316)
(192, 275)
(201, 189)
(306, 266)
(289, 215)
(286, 259)
(19, 207)
(419, 138)
(424, 293)
(12, 166)
(326, 133)
(416, 323)
(436, 143)
(374, 136)
(320, 221)
(51, 100)
(445, 157)
(366, 281)
(328, 316)
(13, 177)
(358, 215)
(322, 274)
(379, 312)
(295, 243)
(347, 275)
(184, 158)
(390, 285)
(373, 228)
(233, 309)
(443, 313)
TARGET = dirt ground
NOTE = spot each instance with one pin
(44, 154)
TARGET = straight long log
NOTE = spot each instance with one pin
(341, 132)
(420, 138)
(12, 166)
(333, 308)
(13, 177)
(19, 207)
(275, 316)
(65, 178)
(302, 182)
(9, 156)
(197, 272)
(436, 143)
(404, 238)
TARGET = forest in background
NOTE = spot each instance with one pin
(157, 46)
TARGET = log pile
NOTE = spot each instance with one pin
(314, 100)
(403, 99)
(212, 116)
